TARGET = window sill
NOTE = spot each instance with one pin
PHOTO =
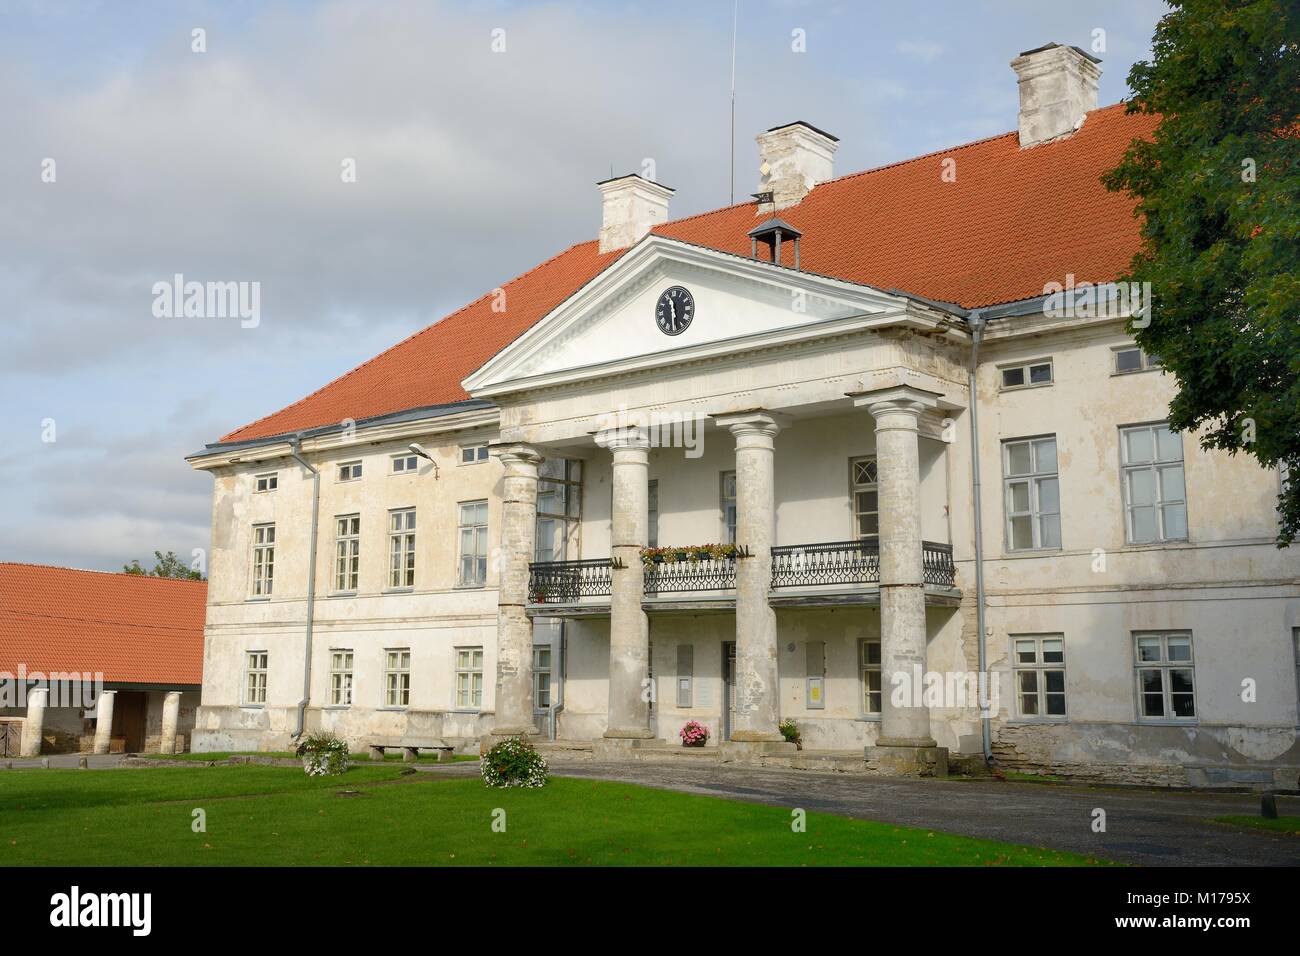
(465, 710)
(1025, 388)
(469, 587)
(1167, 722)
(1135, 371)
(868, 718)
(337, 707)
(409, 590)
(342, 594)
(1032, 721)
(394, 710)
(252, 706)
(1030, 552)
(1152, 545)
(260, 599)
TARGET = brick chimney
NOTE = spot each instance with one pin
(792, 160)
(1058, 86)
(630, 207)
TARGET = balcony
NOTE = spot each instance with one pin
(834, 572)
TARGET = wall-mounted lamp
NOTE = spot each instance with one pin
(416, 447)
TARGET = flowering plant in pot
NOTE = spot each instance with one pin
(694, 734)
(323, 754)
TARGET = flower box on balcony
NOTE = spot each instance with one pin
(695, 552)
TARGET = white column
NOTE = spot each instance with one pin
(757, 690)
(170, 718)
(514, 685)
(104, 721)
(629, 629)
(34, 725)
(897, 412)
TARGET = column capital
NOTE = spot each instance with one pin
(623, 438)
(896, 398)
(754, 423)
(516, 453)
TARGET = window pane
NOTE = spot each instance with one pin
(1153, 705)
(1151, 680)
(1141, 487)
(873, 652)
(1018, 459)
(1022, 535)
(1026, 652)
(1053, 651)
(1029, 705)
(1144, 524)
(1171, 483)
(1045, 455)
(1137, 445)
(1055, 705)
(1128, 360)
(1028, 681)
(1011, 377)
(1175, 517)
(1054, 682)
(1049, 532)
(1180, 648)
(1180, 680)
(1169, 446)
(1049, 496)
(1040, 373)
(1019, 496)
(1148, 649)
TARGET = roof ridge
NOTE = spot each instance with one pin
(124, 574)
(398, 344)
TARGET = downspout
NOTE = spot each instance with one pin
(976, 321)
(295, 449)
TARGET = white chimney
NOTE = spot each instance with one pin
(792, 160)
(1058, 86)
(630, 207)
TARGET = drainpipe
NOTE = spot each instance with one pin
(976, 321)
(295, 451)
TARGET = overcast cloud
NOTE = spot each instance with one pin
(472, 166)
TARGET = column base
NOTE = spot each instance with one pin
(750, 748)
(893, 760)
(756, 737)
(498, 734)
(618, 747)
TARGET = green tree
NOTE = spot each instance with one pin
(166, 566)
(1218, 188)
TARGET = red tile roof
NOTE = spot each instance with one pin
(1012, 221)
(131, 628)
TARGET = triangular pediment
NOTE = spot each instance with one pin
(611, 323)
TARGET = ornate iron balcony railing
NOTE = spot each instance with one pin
(937, 564)
(567, 582)
(703, 574)
(831, 562)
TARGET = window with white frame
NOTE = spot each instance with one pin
(1026, 374)
(1165, 675)
(263, 559)
(727, 496)
(255, 677)
(401, 548)
(541, 676)
(473, 530)
(469, 677)
(397, 677)
(267, 482)
(406, 464)
(1039, 664)
(1130, 358)
(349, 471)
(1155, 494)
(869, 661)
(865, 490)
(473, 454)
(340, 678)
(1031, 494)
(347, 552)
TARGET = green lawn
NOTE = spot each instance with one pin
(259, 815)
(361, 758)
(1280, 824)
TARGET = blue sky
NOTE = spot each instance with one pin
(472, 166)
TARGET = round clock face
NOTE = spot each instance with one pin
(675, 310)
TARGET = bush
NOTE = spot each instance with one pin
(323, 754)
(790, 731)
(514, 763)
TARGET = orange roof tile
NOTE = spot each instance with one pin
(131, 628)
(1012, 221)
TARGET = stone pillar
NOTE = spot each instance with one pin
(29, 745)
(757, 690)
(629, 629)
(170, 718)
(104, 720)
(514, 686)
(897, 412)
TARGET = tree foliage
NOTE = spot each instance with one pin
(1218, 188)
(165, 566)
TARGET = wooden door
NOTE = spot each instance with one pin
(129, 713)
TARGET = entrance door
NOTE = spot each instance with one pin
(728, 687)
(129, 713)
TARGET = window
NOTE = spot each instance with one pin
(340, 678)
(685, 674)
(870, 663)
(473, 454)
(1039, 665)
(473, 543)
(469, 677)
(1130, 358)
(347, 552)
(652, 518)
(728, 501)
(1027, 374)
(1165, 682)
(541, 676)
(866, 497)
(255, 677)
(397, 677)
(1155, 498)
(406, 464)
(263, 559)
(401, 548)
(267, 482)
(350, 471)
(1032, 494)
(559, 509)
